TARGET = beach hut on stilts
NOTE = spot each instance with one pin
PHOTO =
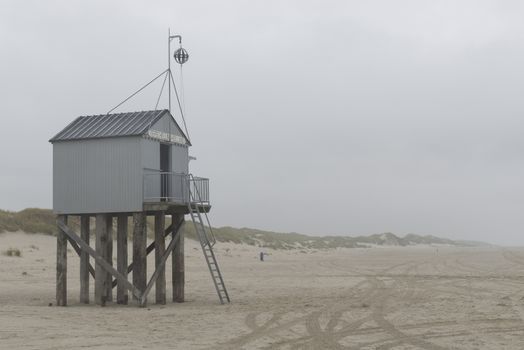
(111, 167)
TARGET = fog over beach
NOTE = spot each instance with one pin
(262, 175)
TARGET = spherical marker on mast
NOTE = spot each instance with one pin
(181, 56)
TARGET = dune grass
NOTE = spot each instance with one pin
(31, 220)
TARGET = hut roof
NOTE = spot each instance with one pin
(112, 125)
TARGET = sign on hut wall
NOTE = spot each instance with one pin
(166, 137)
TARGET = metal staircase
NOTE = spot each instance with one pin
(206, 237)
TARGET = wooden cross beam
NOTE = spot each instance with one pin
(79, 251)
(168, 251)
(150, 248)
(99, 259)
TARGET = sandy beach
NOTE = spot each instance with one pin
(376, 298)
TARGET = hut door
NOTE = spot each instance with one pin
(164, 169)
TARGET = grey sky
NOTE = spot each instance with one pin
(325, 117)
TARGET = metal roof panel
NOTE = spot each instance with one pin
(110, 125)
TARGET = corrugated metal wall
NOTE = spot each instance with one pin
(166, 124)
(179, 164)
(151, 166)
(97, 176)
(150, 154)
(179, 159)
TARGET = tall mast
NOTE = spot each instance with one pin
(169, 66)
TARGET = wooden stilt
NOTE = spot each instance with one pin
(109, 258)
(161, 265)
(84, 261)
(101, 249)
(121, 257)
(61, 264)
(160, 247)
(178, 268)
(139, 252)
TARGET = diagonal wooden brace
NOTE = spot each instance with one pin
(153, 279)
(99, 259)
(78, 251)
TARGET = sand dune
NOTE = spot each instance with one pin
(383, 298)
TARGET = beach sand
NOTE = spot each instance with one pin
(376, 298)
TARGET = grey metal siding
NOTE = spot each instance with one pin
(150, 150)
(166, 124)
(179, 159)
(97, 176)
(179, 164)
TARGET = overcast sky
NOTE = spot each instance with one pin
(319, 117)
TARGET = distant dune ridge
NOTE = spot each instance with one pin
(34, 220)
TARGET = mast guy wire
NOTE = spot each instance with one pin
(179, 105)
(136, 92)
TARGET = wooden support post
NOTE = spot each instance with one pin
(61, 264)
(160, 247)
(178, 269)
(84, 261)
(121, 257)
(139, 252)
(109, 257)
(101, 249)
(161, 265)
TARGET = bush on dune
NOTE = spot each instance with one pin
(13, 252)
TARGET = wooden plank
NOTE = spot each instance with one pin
(139, 253)
(171, 208)
(160, 247)
(84, 261)
(100, 260)
(61, 263)
(121, 257)
(160, 267)
(149, 249)
(178, 265)
(109, 258)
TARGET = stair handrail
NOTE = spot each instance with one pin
(192, 200)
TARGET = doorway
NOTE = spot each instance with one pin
(165, 169)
